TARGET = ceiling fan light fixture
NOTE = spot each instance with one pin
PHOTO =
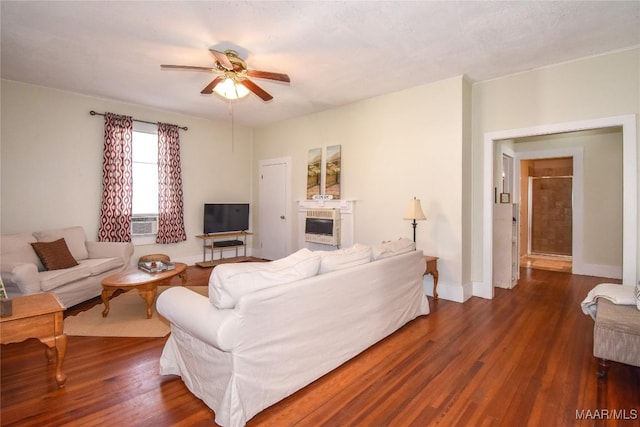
(231, 89)
(233, 82)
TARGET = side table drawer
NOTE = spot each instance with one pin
(21, 329)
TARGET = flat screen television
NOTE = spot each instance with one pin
(225, 217)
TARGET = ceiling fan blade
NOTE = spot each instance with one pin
(209, 89)
(187, 67)
(256, 89)
(269, 75)
(222, 59)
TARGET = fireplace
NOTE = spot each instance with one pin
(322, 225)
(325, 224)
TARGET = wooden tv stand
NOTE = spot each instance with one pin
(221, 242)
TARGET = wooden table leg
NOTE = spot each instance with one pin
(61, 348)
(49, 352)
(435, 284)
(56, 351)
(106, 294)
(149, 295)
(432, 268)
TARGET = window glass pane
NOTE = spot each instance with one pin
(145, 188)
(145, 173)
(145, 147)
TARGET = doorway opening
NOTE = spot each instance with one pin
(546, 211)
(627, 123)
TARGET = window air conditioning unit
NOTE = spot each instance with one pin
(144, 225)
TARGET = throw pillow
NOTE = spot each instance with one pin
(54, 255)
(638, 295)
(75, 238)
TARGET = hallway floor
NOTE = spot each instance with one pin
(546, 262)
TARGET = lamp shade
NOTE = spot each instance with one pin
(414, 211)
(230, 89)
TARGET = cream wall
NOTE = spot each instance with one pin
(591, 88)
(394, 147)
(51, 159)
(467, 213)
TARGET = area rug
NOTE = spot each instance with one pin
(127, 318)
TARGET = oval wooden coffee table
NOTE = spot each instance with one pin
(145, 283)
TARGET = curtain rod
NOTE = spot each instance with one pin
(93, 113)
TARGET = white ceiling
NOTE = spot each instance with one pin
(335, 52)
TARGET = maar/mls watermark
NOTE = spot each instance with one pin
(606, 414)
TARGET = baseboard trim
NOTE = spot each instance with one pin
(598, 270)
(447, 291)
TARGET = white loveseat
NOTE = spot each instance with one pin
(23, 272)
(255, 341)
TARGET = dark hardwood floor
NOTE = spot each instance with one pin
(523, 358)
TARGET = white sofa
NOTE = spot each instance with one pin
(272, 339)
(23, 272)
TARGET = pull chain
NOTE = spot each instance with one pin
(232, 125)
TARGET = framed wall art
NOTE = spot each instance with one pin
(314, 172)
(332, 168)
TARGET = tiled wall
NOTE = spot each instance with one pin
(551, 215)
(551, 225)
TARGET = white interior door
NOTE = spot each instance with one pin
(274, 229)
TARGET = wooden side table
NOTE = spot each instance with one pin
(38, 316)
(432, 269)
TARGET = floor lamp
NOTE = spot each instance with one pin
(414, 213)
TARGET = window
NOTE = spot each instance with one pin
(145, 171)
(155, 208)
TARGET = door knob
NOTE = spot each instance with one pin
(281, 216)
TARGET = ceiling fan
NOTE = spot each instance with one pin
(233, 83)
